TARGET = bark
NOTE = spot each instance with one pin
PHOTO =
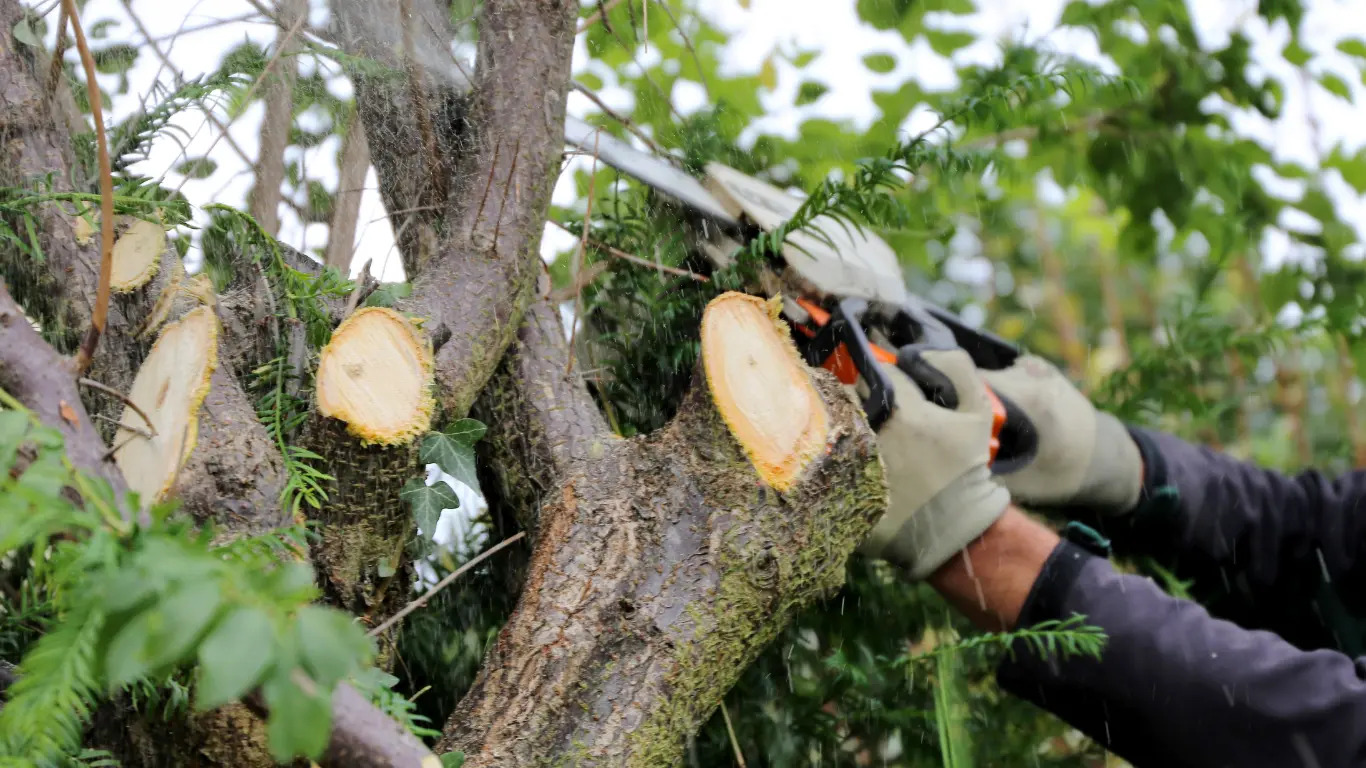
(279, 118)
(354, 165)
(663, 564)
(475, 263)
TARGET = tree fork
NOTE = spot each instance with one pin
(665, 564)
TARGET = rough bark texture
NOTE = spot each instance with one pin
(474, 287)
(663, 567)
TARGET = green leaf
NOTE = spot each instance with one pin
(180, 619)
(126, 658)
(1296, 54)
(23, 32)
(299, 723)
(233, 657)
(809, 92)
(197, 168)
(332, 646)
(946, 43)
(13, 428)
(428, 502)
(1353, 46)
(453, 760)
(1336, 86)
(881, 63)
(452, 450)
(388, 294)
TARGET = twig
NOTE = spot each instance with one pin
(139, 431)
(626, 123)
(730, 731)
(101, 314)
(446, 582)
(578, 255)
(624, 256)
(597, 15)
(108, 390)
(109, 454)
(265, 73)
(365, 279)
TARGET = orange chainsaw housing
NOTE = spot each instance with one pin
(842, 365)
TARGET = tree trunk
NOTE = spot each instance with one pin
(354, 165)
(664, 564)
(279, 98)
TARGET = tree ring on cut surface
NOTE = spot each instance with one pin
(375, 376)
(137, 255)
(170, 387)
(761, 387)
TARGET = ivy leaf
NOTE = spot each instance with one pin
(453, 760)
(427, 503)
(299, 723)
(453, 450)
(232, 657)
(331, 645)
(23, 32)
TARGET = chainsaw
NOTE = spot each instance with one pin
(843, 292)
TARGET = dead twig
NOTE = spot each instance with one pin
(108, 390)
(626, 123)
(139, 431)
(730, 731)
(446, 582)
(101, 313)
(358, 295)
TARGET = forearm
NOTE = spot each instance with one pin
(991, 579)
(1173, 686)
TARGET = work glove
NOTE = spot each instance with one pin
(1085, 457)
(943, 496)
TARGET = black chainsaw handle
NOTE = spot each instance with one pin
(1016, 439)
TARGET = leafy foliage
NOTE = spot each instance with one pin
(135, 601)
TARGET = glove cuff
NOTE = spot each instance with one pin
(957, 516)
(1114, 478)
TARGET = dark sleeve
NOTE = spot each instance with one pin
(1174, 687)
(1263, 549)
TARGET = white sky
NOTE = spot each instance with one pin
(830, 26)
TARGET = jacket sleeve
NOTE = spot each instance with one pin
(1263, 549)
(1174, 687)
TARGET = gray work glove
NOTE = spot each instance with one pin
(1086, 457)
(942, 494)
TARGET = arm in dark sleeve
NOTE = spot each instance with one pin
(1175, 687)
(1263, 549)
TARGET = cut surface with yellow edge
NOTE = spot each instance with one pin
(761, 388)
(375, 375)
(170, 388)
(137, 254)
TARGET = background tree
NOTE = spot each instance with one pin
(1149, 239)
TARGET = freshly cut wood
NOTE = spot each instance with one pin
(664, 564)
(761, 388)
(375, 376)
(170, 388)
(137, 255)
(374, 402)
